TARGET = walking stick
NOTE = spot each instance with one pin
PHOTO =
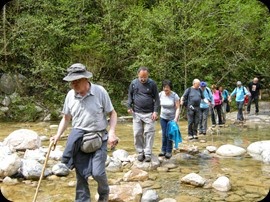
(43, 169)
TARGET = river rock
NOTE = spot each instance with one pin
(211, 149)
(193, 179)
(36, 154)
(5, 101)
(149, 195)
(31, 169)
(115, 165)
(23, 139)
(147, 166)
(60, 169)
(9, 164)
(135, 175)
(56, 154)
(229, 150)
(121, 154)
(259, 150)
(128, 192)
(222, 184)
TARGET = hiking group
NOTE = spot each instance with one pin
(87, 106)
(144, 102)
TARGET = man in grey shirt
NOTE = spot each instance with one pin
(87, 105)
(193, 95)
(143, 104)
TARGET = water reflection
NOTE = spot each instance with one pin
(250, 178)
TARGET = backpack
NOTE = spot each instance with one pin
(246, 97)
(185, 102)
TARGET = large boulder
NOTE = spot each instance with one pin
(31, 169)
(23, 139)
(9, 164)
(229, 150)
(260, 150)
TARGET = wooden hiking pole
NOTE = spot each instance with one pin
(52, 145)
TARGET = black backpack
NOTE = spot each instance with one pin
(186, 98)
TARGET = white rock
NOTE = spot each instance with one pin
(211, 149)
(222, 184)
(23, 139)
(149, 195)
(229, 150)
(256, 149)
(60, 169)
(36, 154)
(136, 175)
(31, 169)
(9, 164)
(193, 179)
(121, 154)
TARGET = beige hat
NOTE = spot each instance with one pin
(77, 71)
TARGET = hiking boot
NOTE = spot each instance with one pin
(140, 157)
(168, 155)
(103, 198)
(195, 136)
(147, 158)
(190, 137)
(161, 154)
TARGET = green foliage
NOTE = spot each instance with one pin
(216, 41)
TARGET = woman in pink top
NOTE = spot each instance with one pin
(217, 107)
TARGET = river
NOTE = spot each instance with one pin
(250, 178)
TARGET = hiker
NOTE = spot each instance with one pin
(240, 93)
(217, 106)
(254, 89)
(204, 107)
(225, 104)
(87, 105)
(170, 110)
(143, 104)
(191, 99)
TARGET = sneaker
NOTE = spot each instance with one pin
(195, 136)
(140, 157)
(200, 133)
(204, 133)
(213, 125)
(168, 155)
(190, 137)
(147, 158)
(161, 154)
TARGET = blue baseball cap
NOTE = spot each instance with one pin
(203, 84)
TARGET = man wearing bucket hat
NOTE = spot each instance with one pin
(87, 105)
(240, 93)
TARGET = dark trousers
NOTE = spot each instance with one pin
(166, 143)
(256, 101)
(240, 105)
(218, 109)
(193, 120)
(98, 159)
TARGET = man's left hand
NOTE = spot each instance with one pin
(154, 116)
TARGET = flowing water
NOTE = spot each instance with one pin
(250, 178)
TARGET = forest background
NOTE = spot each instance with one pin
(220, 42)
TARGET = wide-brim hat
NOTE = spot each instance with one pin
(77, 71)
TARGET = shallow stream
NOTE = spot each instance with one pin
(250, 178)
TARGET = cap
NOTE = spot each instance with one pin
(203, 84)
